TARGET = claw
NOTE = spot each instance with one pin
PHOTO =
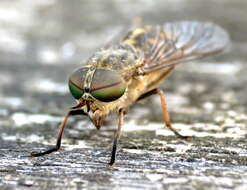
(187, 138)
(111, 166)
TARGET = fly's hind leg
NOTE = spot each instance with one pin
(166, 116)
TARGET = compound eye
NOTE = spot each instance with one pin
(107, 85)
(76, 82)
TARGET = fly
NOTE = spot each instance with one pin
(117, 76)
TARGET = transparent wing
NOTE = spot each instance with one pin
(123, 31)
(179, 42)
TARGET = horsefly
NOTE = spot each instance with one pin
(131, 69)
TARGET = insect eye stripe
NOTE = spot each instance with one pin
(106, 86)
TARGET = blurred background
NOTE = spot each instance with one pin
(42, 42)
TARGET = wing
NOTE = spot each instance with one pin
(173, 43)
(123, 31)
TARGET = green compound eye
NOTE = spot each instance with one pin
(107, 85)
(76, 82)
(75, 91)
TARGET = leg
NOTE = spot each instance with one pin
(116, 138)
(147, 94)
(60, 133)
(166, 116)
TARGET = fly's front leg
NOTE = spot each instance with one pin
(60, 133)
(116, 138)
(165, 113)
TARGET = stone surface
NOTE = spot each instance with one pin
(42, 42)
